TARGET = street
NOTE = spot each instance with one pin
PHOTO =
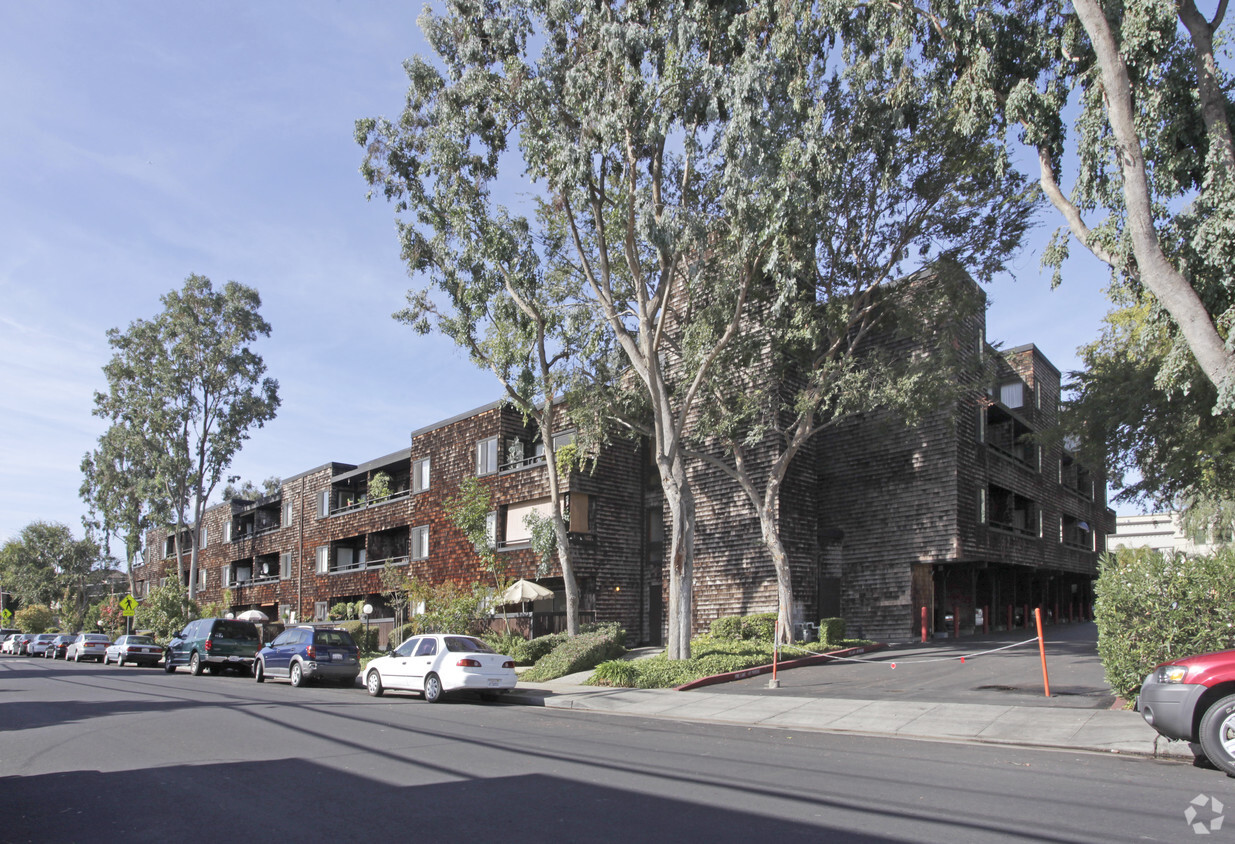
(89, 753)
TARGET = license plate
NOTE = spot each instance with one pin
(233, 659)
(494, 682)
(336, 657)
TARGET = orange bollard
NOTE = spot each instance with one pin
(924, 625)
(1046, 681)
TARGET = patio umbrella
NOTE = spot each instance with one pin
(255, 616)
(525, 590)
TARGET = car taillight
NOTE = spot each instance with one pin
(209, 645)
(468, 662)
(310, 652)
(510, 663)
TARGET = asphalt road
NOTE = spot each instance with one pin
(935, 673)
(96, 754)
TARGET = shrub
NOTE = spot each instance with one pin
(367, 643)
(831, 631)
(533, 650)
(1153, 607)
(504, 643)
(587, 650)
(761, 626)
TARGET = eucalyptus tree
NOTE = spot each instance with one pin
(187, 386)
(44, 562)
(1153, 182)
(118, 487)
(661, 190)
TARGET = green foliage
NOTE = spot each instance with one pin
(184, 389)
(831, 630)
(346, 610)
(34, 618)
(469, 511)
(578, 653)
(504, 642)
(379, 486)
(367, 642)
(544, 541)
(249, 491)
(448, 608)
(1153, 607)
(165, 610)
(44, 563)
(761, 627)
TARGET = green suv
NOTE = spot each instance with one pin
(213, 644)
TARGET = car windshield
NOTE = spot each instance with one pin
(139, 640)
(467, 645)
(96, 637)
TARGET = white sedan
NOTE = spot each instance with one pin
(437, 663)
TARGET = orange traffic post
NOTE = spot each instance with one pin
(924, 625)
(1046, 681)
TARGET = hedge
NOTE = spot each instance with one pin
(831, 631)
(1153, 607)
(760, 627)
(366, 643)
(587, 650)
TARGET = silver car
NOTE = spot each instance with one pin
(87, 646)
(136, 649)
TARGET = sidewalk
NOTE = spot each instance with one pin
(1094, 730)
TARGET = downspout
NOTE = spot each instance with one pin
(299, 556)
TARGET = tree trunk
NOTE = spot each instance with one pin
(681, 503)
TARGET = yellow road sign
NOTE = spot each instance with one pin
(128, 605)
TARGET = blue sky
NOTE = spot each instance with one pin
(146, 141)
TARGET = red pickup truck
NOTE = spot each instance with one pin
(1194, 699)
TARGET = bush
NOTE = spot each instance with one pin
(761, 627)
(1153, 607)
(504, 643)
(366, 643)
(831, 631)
(587, 650)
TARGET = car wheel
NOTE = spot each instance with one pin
(433, 688)
(195, 664)
(120, 660)
(373, 683)
(296, 674)
(76, 657)
(168, 667)
(259, 671)
(1217, 734)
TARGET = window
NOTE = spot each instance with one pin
(579, 510)
(323, 559)
(227, 531)
(517, 531)
(982, 506)
(1012, 394)
(428, 647)
(563, 439)
(420, 475)
(227, 576)
(491, 528)
(320, 609)
(285, 565)
(205, 536)
(201, 578)
(287, 513)
(486, 456)
(981, 424)
(323, 503)
(420, 543)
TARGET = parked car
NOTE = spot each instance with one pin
(309, 653)
(59, 646)
(1194, 699)
(141, 650)
(87, 646)
(213, 644)
(438, 663)
(22, 645)
(39, 644)
(10, 643)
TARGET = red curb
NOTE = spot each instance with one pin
(729, 677)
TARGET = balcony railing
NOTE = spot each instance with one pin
(370, 502)
(525, 463)
(369, 564)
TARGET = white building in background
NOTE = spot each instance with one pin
(1160, 531)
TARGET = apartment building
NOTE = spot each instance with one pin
(972, 515)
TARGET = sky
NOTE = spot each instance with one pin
(146, 141)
